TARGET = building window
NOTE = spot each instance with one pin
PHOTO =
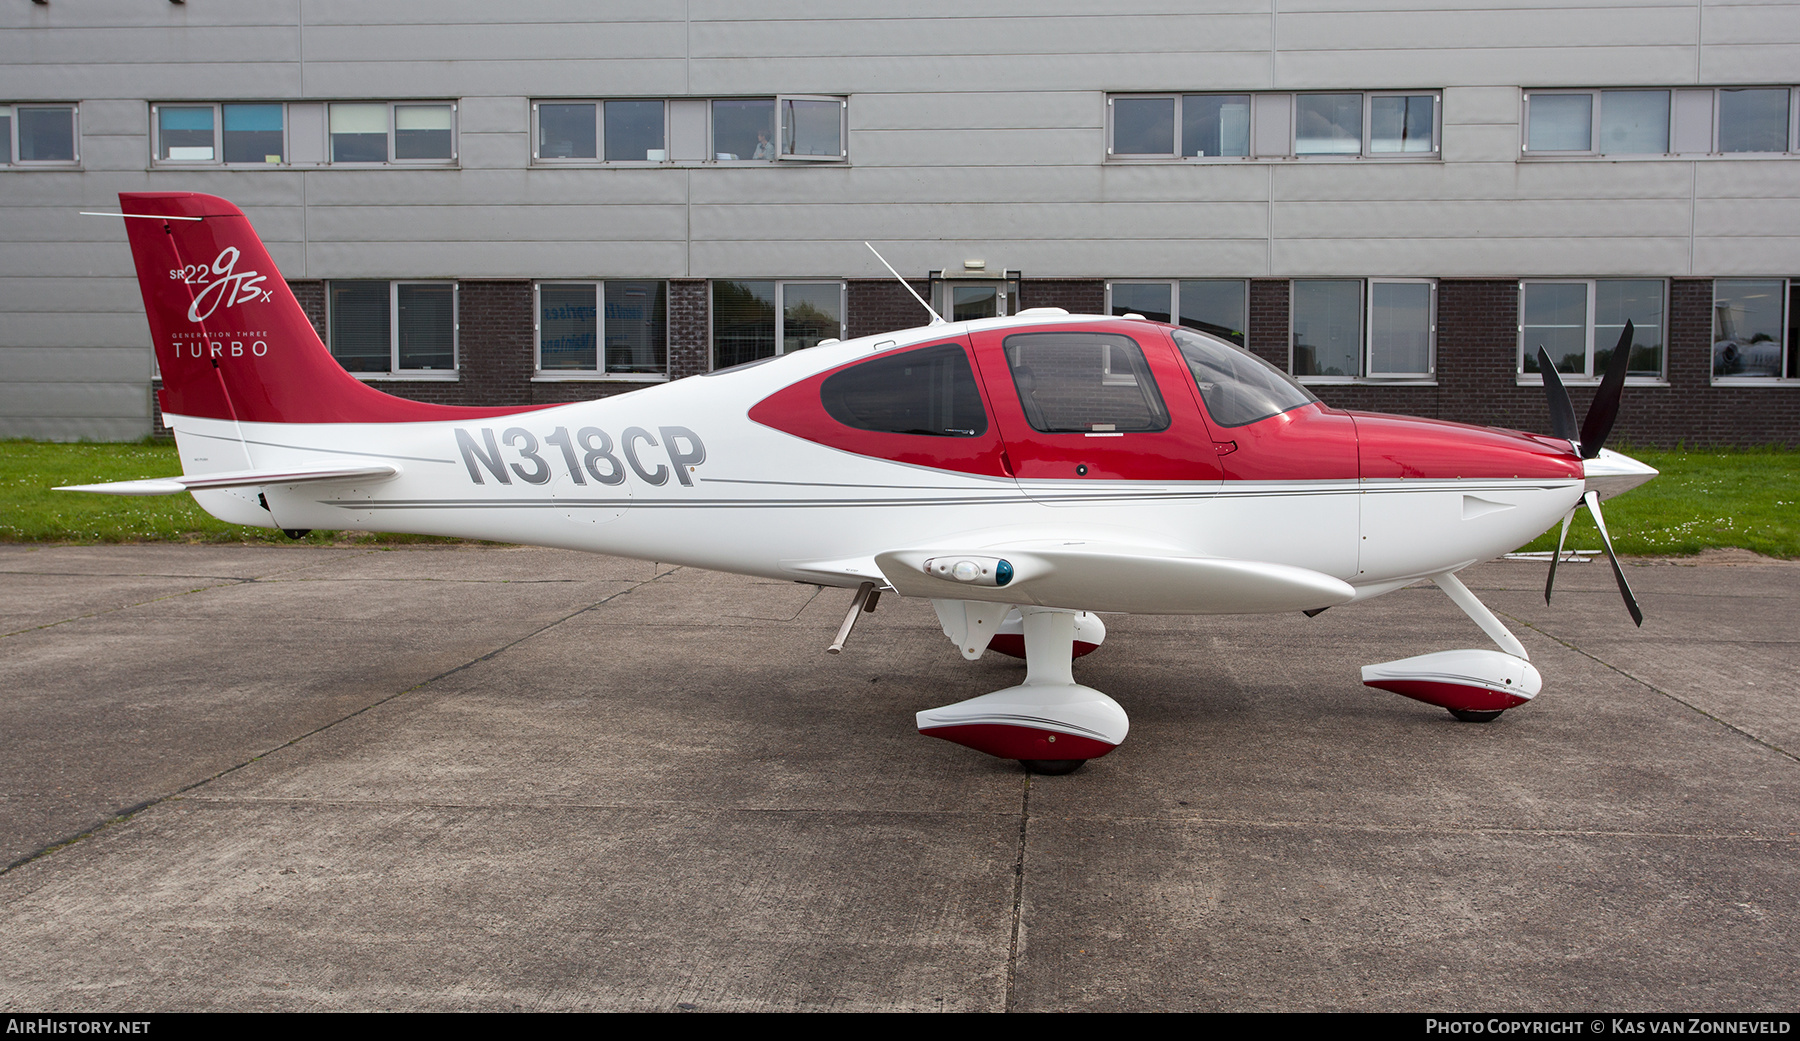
(1682, 121)
(1389, 124)
(1215, 306)
(1578, 323)
(38, 134)
(1382, 328)
(1750, 317)
(691, 130)
(1630, 122)
(268, 133)
(760, 319)
(618, 329)
(393, 327)
(1756, 119)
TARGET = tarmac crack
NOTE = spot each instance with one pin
(1018, 908)
(124, 815)
(1654, 689)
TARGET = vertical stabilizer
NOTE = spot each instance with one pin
(231, 341)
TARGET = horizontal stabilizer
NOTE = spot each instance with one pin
(1094, 576)
(241, 479)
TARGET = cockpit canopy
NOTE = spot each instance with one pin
(1238, 387)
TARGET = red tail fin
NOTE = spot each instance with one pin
(231, 340)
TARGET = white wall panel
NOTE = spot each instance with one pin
(985, 110)
(430, 12)
(1481, 258)
(1772, 178)
(1466, 106)
(1482, 143)
(1054, 146)
(30, 329)
(1484, 27)
(75, 400)
(1749, 219)
(1726, 24)
(974, 222)
(837, 75)
(77, 428)
(1573, 64)
(171, 45)
(100, 116)
(1736, 257)
(1113, 258)
(493, 151)
(488, 259)
(60, 363)
(494, 115)
(1484, 219)
(550, 77)
(161, 81)
(1751, 63)
(516, 223)
(541, 186)
(954, 11)
(91, 295)
(448, 42)
(903, 184)
(1196, 32)
(135, 13)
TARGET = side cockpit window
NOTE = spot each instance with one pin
(1237, 386)
(929, 391)
(1087, 383)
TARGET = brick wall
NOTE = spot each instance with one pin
(1477, 357)
(1074, 295)
(884, 306)
(1268, 330)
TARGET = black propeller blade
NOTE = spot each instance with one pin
(1589, 441)
(1562, 414)
(1605, 409)
(1593, 504)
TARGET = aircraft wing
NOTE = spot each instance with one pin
(241, 479)
(1100, 576)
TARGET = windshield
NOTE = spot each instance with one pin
(1237, 386)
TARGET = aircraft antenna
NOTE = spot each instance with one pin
(936, 319)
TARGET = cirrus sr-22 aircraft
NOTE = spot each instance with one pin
(1022, 473)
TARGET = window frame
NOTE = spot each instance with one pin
(1365, 352)
(709, 153)
(1431, 327)
(1789, 286)
(287, 135)
(781, 284)
(598, 374)
(394, 372)
(782, 104)
(15, 163)
(1793, 119)
(1591, 375)
(1174, 285)
(1364, 152)
(1676, 129)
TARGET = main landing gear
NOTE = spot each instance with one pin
(1476, 686)
(1050, 723)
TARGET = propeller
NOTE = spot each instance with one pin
(1588, 442)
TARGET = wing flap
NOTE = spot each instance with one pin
(1100, 577)
(241, 479)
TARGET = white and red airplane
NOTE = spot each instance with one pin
(1022, 473)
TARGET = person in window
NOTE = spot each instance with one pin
(764, 149)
